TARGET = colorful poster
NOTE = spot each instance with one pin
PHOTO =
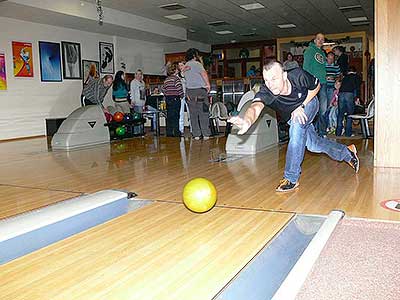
(90, 67)
(50, 61)
(22, 59)
(3, 75)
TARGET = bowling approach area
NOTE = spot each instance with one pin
(109, 222)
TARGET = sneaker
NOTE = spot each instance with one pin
(286, 186)
(355, 161)
(206, 138)
(197, 138)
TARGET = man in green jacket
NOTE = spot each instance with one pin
(314, 63)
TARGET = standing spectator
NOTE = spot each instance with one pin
(351, 82)
(181, 66)
(120, 93)
(197, 89)
(138, 92)
(333, 108)
(332, 74)
(173, 92)
(314, 63)
(342, 59)
(289, 62)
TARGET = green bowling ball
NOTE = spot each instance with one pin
(120, 131)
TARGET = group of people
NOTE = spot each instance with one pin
(298, 95)
(187, 84)
(340, 85)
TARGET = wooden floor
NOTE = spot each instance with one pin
(158, 169)
(163, 251)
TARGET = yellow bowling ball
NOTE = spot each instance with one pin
(199, 195)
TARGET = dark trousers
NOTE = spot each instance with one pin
(346, 107)
(197, 101)
(173, 110)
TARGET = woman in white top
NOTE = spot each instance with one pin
(138, 92)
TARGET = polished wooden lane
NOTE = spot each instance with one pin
(159, 168)
(16, 200)
(161, 251)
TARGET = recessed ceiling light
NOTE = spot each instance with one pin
(357, 19)
(233, 41)
(252, 6)
(191, 30)
(349, 7)
(224, 32)
(217, 23)
(360, 23)
(248, 34)
(82, 4)
(176, 17)
(172, 6)
(283, 26)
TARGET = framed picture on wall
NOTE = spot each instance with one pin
(89, 67)
(106, 54)
(71, 53)
(3, 73)
(50, 62)
(22, 59)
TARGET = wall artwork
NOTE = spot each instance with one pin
(3, 74)
(50, 62)
(71, 53)
(106, 58)
(22, 59)
(90, 67)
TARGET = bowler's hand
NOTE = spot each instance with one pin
(299, 115)
(240, 122)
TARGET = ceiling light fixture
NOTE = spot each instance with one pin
(285, 26)
(172, 6)
(358, 19)
(350, 7)
(224, 32)
(217, 23)
(176, 17)
(252, 6)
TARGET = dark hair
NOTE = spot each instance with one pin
(289, 53)
(270, 62)
(191, 53)
(118, 81)
(340, 48)
(330, 52)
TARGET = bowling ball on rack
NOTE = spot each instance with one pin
(199, 195)
(120, 131)
(136, 116)
(118, 116)
(128, 117)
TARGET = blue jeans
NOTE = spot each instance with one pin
(346, 106)
(304, 135)
(323, 107)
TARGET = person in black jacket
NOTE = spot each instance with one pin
(348, 92)
(342, 59)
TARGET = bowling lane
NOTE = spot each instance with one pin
(16, 200)
(161, 251)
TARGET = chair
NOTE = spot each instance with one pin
(219, 112)
(364, 119)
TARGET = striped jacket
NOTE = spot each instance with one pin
(172, 86)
